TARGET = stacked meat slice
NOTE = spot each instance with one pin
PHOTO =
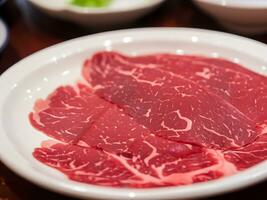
(156, 120)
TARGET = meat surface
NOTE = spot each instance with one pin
(228, 80)
(152, 161)
(252, 153)
(169, 105)
(103, 168)
(67, 112)
(153, 121)
(84, 164)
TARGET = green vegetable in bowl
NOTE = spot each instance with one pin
(91, 3)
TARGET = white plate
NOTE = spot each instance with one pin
(3, 35)
(39, 74)
(118, 12)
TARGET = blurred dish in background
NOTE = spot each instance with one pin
(241, 16)
(1, 6)
(108, 14)
(2, 2)
(3, 35)
(91, 3)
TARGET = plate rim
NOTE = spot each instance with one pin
(236, 5)
(100, 11)
(248, 177)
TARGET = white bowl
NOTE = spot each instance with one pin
(241, 16)
(37, 75)
(118, 12)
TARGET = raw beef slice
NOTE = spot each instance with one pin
(169, 105)
(146, 160)
(103, 168)
(84, 164)
(226, 79)
(251, 154)
(67, 112)
(115, 65)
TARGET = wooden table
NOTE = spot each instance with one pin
(31, 31)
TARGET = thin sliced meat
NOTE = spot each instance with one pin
(251, 154)
(169, 105)
(228, 80)
(143, 150)
(103, 168)
(115, 140)
(84, 164)
(67, 112)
